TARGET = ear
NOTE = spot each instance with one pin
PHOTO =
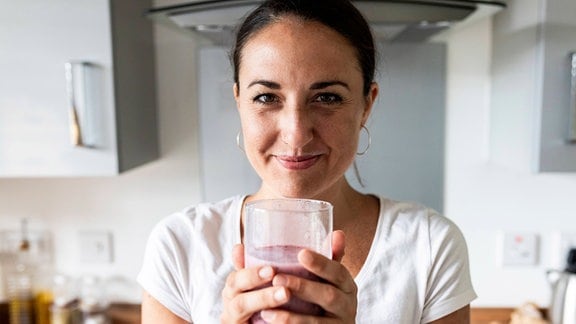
(370, 99)
(236, 91)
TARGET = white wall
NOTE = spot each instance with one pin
(481, 197)
(486, 199)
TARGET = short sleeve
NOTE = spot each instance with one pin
(165, 267)
(449, 285)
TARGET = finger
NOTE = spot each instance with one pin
(238, 256)
(247, 279)
(244, 306)
(330, 298)
(282, 316)
(338, 245)
(327, 269)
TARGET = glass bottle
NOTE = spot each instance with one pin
(20, 296)
(20, 283)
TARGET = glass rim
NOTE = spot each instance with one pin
(262, 203)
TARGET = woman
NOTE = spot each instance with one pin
(304, 89)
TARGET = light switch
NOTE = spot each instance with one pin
(519, 249)
(95, 246)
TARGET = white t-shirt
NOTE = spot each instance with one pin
(416, 271)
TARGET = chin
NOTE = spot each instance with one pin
(302, 191)
(296, 185)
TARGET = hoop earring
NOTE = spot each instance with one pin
(369, 141)
(238, 142)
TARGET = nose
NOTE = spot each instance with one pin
(296, 126)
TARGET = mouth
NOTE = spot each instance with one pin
(297, 162)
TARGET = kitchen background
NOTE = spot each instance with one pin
(485, 195)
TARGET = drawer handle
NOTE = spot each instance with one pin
(572, 117)
(77, 89)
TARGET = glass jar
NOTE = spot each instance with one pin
(93, 303)
(64, 309)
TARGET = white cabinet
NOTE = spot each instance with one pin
(114, 99)
(531, 89)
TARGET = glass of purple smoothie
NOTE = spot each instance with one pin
(275, 230)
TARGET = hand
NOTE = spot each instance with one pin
(241, 296)
(337, 296)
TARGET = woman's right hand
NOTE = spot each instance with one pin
(241, 296)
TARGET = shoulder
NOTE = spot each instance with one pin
(419, 226)
(205, 218)
(425, 230)
(414, 213)
(185, 244)
(409, 214)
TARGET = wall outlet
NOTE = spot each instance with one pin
(95, 246)
(519, 249)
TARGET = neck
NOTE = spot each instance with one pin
(347, 201)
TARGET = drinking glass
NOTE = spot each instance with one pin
(275, 230)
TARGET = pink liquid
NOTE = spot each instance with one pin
(284, 260)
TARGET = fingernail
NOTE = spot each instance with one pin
(267, 315)
(265, 272)
(280, 295)
(305, 256)
(279, 280)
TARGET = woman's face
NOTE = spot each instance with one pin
(299, 95)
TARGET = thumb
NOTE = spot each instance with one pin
(238, 256)
(338, 245)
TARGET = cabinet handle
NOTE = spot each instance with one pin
(572, 129)
(76, 88)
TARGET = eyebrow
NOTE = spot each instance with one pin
(314, 86)
(268, 84)
(326, 84)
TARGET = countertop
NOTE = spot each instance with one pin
(118, 313)
(130, 314)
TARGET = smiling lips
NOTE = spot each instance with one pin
(297, 162)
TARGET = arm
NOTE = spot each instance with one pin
(449, 274)
(461, 316)
(154, 312)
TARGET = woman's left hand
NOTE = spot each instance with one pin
(337, 295)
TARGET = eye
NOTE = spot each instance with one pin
(328, 98)
(265, 98)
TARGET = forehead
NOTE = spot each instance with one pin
(293, 42)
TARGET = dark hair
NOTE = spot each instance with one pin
(340, 15)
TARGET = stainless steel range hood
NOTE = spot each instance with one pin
(391, 20)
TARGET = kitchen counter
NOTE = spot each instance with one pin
(490, 315)
(124, 314)
(494, 315)
(4, 313)
(118, 313)
(130, 314)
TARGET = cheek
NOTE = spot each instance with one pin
(344, 132)
(255, 136)
(256, 133)
(345, 143)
